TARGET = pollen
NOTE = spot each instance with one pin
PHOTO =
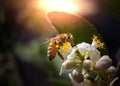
(65, 47)
(57, 46)
(101, 44)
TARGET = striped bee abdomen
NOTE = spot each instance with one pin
(52, 50)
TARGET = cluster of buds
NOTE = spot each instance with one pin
(87, 65)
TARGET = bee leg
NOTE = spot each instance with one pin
(60, 55)
(51, 57)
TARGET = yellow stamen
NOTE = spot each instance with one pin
(65, 47)
(101, 44)
(95, 37)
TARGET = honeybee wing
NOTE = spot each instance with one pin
(45, 42)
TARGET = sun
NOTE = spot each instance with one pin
(68, 6)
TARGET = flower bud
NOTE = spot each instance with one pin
(111, 71)
(73, 81)
(87, 64)
(68, 64)
(103, 63)
(77, 76)
(93, 75)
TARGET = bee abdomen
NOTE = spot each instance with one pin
(51, 52)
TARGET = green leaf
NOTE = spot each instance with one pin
(80, 28)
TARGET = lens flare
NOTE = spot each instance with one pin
(68, 6)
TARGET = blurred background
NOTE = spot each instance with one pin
(24, 28)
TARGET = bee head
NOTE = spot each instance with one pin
(70, 38)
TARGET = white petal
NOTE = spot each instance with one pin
(95, 54)
(72, 54)
(84, 47)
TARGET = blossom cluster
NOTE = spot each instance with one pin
(88, 66)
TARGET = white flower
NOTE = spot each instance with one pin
(83, 48)
(85, 63)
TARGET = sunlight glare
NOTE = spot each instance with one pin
(68, 6)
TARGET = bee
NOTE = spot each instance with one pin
(56, 42)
